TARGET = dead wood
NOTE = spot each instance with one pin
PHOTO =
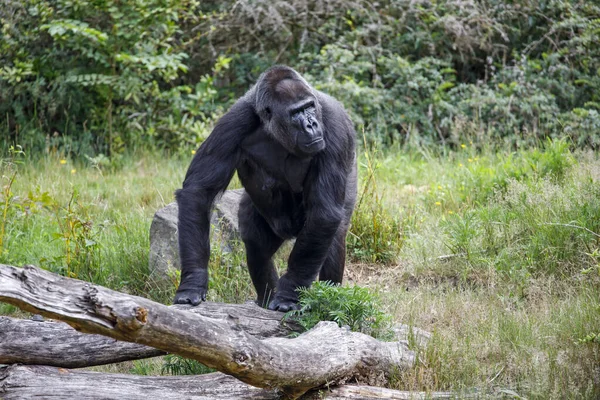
(30, 382)
(325, 355)
(27, 382)
(58, 344)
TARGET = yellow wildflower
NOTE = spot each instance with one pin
(463, 146)
(73, 170)
(460, 165)
(470, 160)
(193, 152)
(438, 203)
(63, 161)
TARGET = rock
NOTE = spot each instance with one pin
(164, 246)
(164, 250)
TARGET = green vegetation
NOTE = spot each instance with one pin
(83, 221)
(478, 216)
(177, 365)
(355, 307)
(499, 257)
(103, 77)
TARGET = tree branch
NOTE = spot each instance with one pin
(57, 344)
(325, 355)
(28, 382)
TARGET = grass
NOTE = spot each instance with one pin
(495, 252)
(89, 223)
(502, 266)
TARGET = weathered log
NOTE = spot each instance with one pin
(325, 355)
(27, 382)
(372, 392)
(57, 344)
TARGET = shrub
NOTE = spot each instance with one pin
(354, 307)
(103, 77)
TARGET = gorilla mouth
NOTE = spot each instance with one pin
(317, 140)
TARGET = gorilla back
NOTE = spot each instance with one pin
(294, 150)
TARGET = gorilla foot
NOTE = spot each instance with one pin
(190, 296)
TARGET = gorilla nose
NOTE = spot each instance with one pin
(312, 124)
(312, 129)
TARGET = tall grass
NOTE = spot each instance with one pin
(503, 268)
(376, 235)
(88, 222)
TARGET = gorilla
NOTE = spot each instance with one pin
(293, 148)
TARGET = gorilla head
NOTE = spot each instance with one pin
(290, 111)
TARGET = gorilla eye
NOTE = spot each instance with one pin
(311, 110)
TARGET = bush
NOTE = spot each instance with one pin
(89, 77)
(354, 307)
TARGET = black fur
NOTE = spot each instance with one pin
(294, 150)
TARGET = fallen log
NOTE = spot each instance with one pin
(326, 355)
(28, 382)
(58, 344)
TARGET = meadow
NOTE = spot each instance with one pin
(496, 252)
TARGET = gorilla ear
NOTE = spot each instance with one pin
(267, 113)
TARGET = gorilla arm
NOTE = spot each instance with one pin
(324, 201)
(209, 174)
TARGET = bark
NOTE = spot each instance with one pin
(57, 344)
(27, 382)
(325, 355)
(30, 382)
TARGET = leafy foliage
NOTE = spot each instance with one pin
(104, 76)
(355, 307)
(97, 76)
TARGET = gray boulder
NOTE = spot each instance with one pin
(164, 246)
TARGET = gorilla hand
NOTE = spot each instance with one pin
(286, 295)
(279, 304)
(193, 288)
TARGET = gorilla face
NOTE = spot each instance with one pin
(291, 113)
(306, 128)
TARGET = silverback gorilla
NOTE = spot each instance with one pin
(294, 151)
